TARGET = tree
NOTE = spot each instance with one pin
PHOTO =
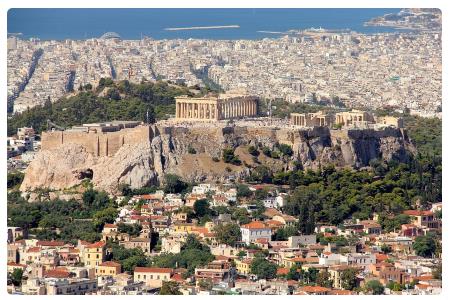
(266, 151)
(132, 230)
(303, 201)
(14, 179)
(206, 284)
(386, 248)
(348, 278)
(285, 149)
(125, 189)
(16, 277)
(201, 208)
(174, 184)
(375, 287)
(282, 234)
(130, 263)
(293, 273)
(170, 288)
(101, 217)
(323, 279)
(241, 254)
(261, 174)
(394, 286)
(113, 94)
(243, 191)
(310, 276)
(228, 233)
(263, 268)
(424, 246)
(253, 151)
(229, 157)
(240, 214)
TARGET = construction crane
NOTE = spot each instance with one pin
(51, 126)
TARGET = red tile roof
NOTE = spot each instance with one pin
(153, 270)
(110, 264)
(255, 225)
(177, 277)
(110, 226)
(56, 274)
(50, 243)
(340, 292)
(282, 271)
(11, 263)
(34, 249)
(315, 289)
(96, 245)
(418, 212)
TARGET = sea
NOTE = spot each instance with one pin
(85, 23)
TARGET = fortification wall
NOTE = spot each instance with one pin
(99, 144)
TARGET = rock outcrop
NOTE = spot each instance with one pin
(167, 151)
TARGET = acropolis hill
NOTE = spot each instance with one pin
(141, 154)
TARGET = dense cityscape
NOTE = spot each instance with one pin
(307, 164)
(382, 70)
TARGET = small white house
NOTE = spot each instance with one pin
(255, 230)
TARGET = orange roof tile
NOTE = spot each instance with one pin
(11, 263)
(282, 271)
(315, 289)
(421, 286)
(110, 264)
(255, 225)
(34, 249)
(153, 270)
(177, 277)
(50, 243)
(110, 226)
(418, 212)
(340, 292)
(96, 245)
(56, 273)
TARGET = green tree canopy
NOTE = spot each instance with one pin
(375, 287)
(424, 246)
(174, 184)
(228, 233)
(263, 268)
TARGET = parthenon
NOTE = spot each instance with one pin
(225, 106)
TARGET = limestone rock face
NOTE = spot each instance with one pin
(68, 165)
(57, 169)
(132, 165)
(168, 152)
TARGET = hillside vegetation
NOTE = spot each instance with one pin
(109, 101)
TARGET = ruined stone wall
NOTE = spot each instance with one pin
(99, 144)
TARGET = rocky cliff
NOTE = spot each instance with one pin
(167, 151)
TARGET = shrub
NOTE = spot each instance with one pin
(253, 151)
(266, 151)
(285, 149)
(191, 150)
